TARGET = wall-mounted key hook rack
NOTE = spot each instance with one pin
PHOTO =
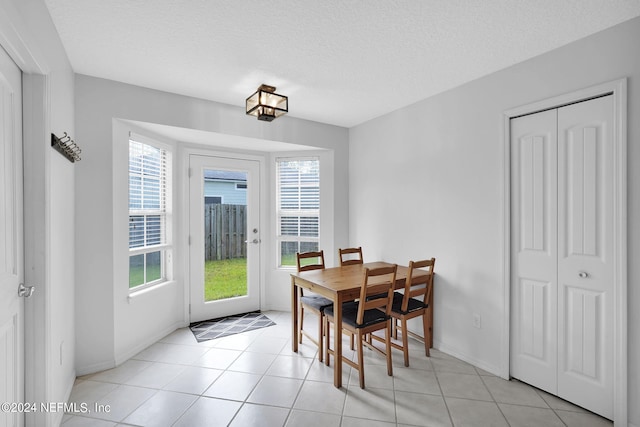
(67, 147)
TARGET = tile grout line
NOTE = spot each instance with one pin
(244, 402)
(435, 374)
(547, 403)
(494, 400)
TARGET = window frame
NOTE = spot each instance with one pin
(279, 213)
(166, 246)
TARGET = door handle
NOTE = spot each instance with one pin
(254, 241)
(25, 291)
(583, 274)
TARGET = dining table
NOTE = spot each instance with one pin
(340, 285)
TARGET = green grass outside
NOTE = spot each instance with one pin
(136, 275)
(222, 279)
(225, 279)
(289, 260)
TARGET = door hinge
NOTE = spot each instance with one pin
(189, 240)
(189, 172)
(189, 309)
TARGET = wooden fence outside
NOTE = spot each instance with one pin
(225, 228)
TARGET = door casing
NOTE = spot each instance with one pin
(618, 89)
(36, 117)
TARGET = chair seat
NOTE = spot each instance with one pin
(316, 301)
(350, 315)
(413, 305)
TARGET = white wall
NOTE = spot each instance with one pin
(28, 34)
(110, 326)
(441, 160)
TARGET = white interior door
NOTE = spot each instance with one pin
(562, 252)
(585, 254)
(224, 229)
(11, 241)
(534, 249)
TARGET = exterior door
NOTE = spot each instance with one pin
(562, 252)
(224, 236)
(11, 241)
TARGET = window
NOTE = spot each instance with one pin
(212, 200)
(298, 208)
(148, 242)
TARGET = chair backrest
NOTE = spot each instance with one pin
(377, 290)
(317, 255)
(411, 286)
(350, 256)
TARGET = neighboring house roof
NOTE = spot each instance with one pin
(225, 175)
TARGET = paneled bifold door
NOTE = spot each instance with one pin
(11, 242)
(562, 252)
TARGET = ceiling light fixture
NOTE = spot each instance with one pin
(267, 105)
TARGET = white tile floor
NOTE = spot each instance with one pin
(254, 379)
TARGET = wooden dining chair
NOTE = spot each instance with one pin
(350, 256)
(414, 302)
(313, 303)
(368, 314)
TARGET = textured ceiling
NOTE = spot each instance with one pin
(340, 61)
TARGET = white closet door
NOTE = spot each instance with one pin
(11, 242)
(562, 252)
(585, 253)
(534, 249)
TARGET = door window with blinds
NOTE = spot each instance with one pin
(298, 207)
(148, 201)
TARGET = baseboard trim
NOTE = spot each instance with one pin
(94, 368)
(451, 351)
(130, 352)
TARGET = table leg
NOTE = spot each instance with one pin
(294, 315)
(337, 342)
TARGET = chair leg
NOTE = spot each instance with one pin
(301, 323)
(427, 333)
(388, 343)
(405, 342)
(320, 334)
(360, 359)
(394, 323)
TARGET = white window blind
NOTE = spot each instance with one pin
(147, 195)
(148, 186)
(298, 214)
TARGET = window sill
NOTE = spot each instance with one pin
(142, 292)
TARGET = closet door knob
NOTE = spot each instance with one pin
(583, 275)
(25, 291)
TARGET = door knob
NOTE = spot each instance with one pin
(25, 291)
(583, 274)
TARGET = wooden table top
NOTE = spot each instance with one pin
(344, 279)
